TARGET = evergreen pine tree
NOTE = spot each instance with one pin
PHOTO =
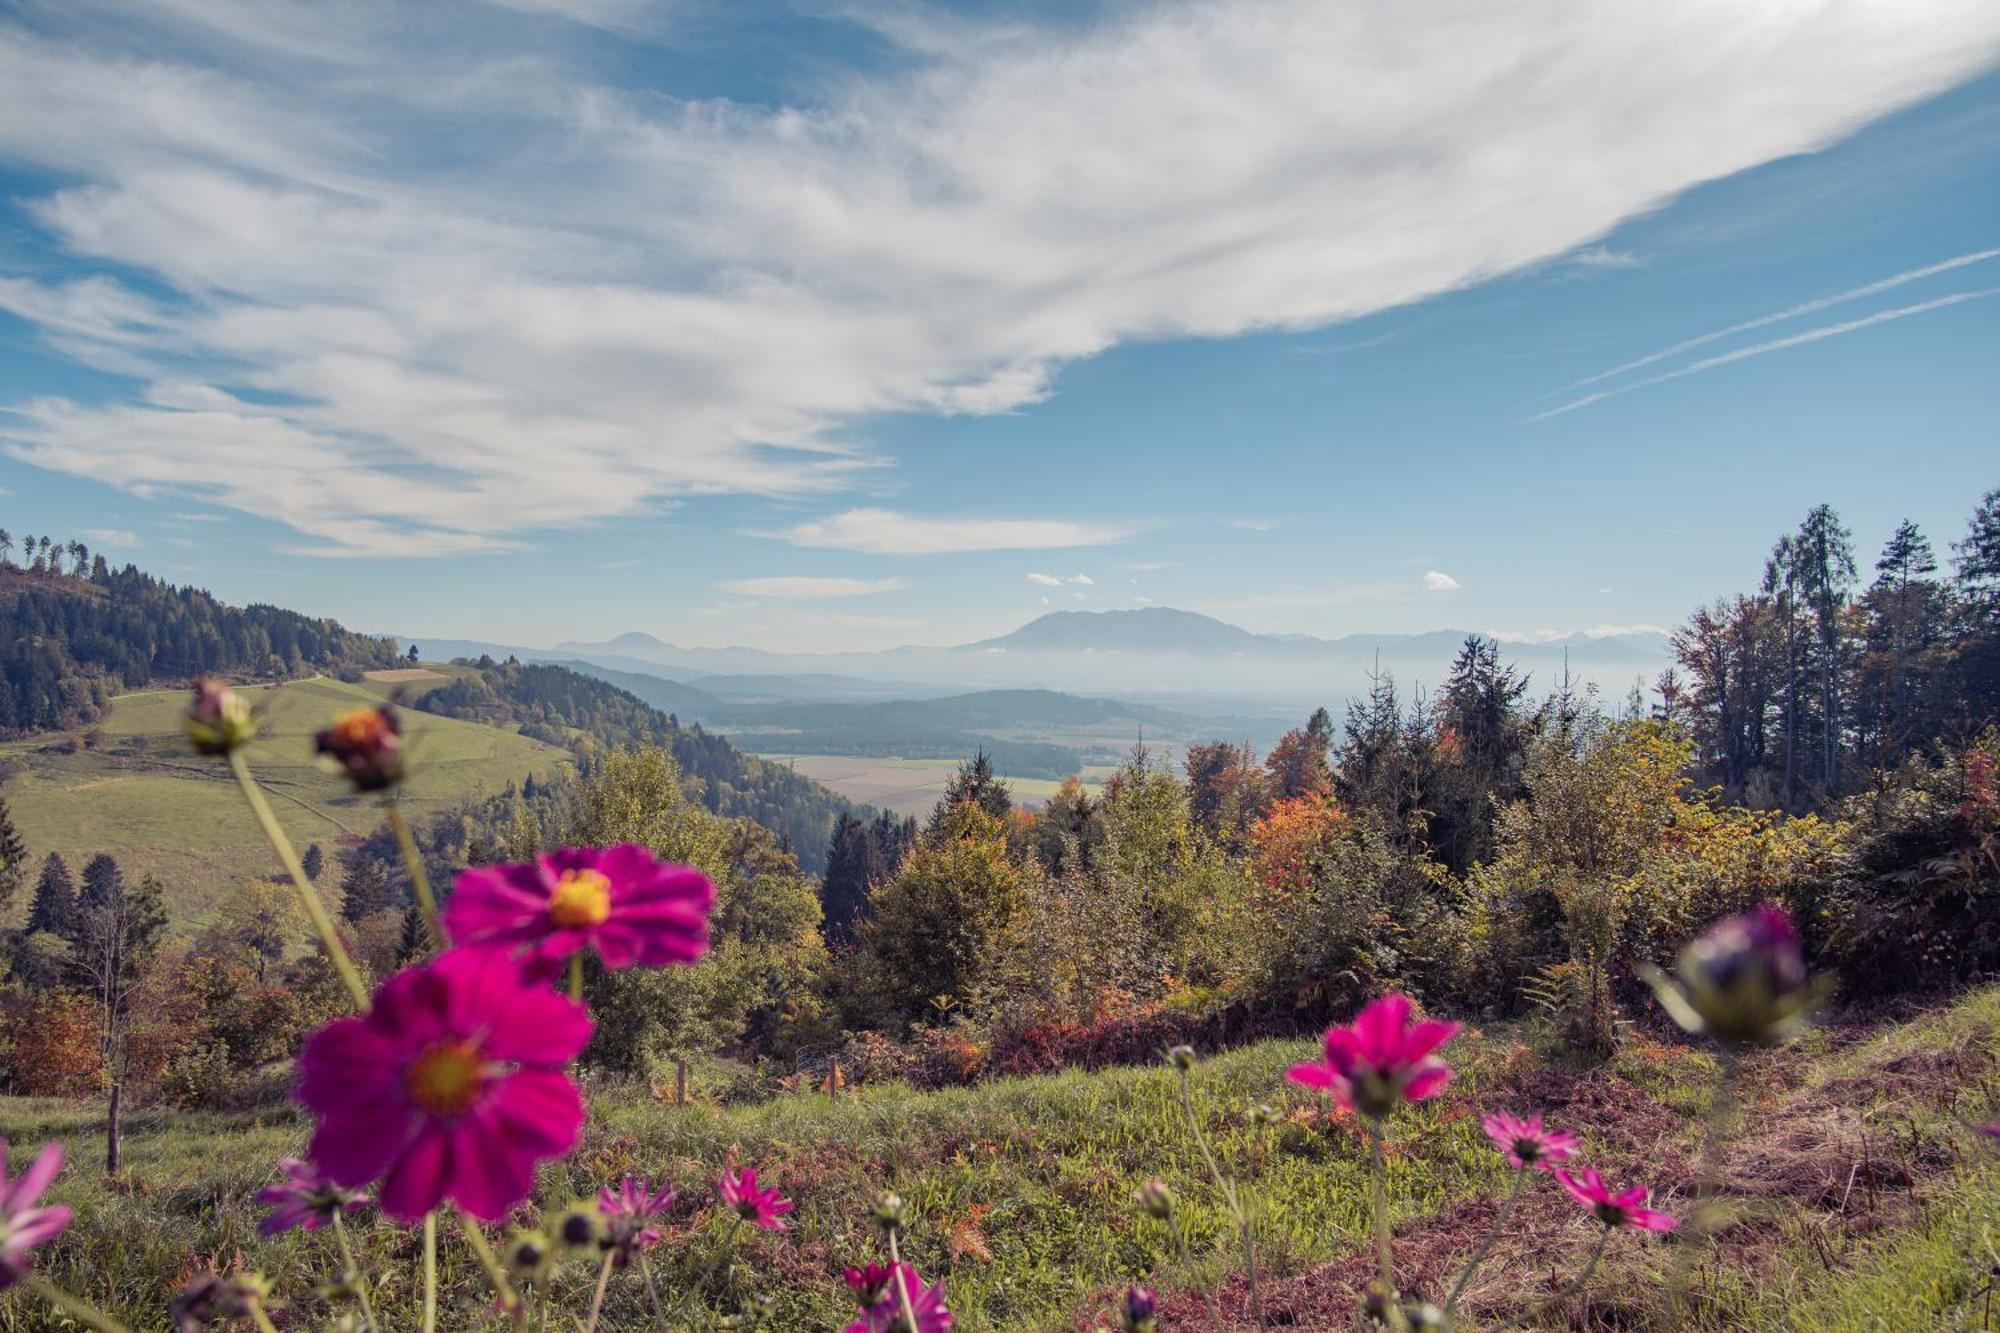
(313, 861)
(975, 783)
(103, 884)
(852, 864)
(54, 906)
(364, 889)
(13, 860)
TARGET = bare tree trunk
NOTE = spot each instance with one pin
(114, 1138)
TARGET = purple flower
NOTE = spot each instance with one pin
(306, 1199)
(766, 1208)
(622, 901)
(1141, 1312)
(629, 1211)
(451, 1086)
(1524, 1143)
(1615, 1210)
(1381, 1060)
(886, 1314)
(24, 1227)
(1743, 980)
(367, 745)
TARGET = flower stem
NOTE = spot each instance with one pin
(360, 1278)
(262, 1320)
(430, 1272)
(329, 938)
(902, 1283)
(1486, 1246)
(597, 1297)
(1187, 1260)
(720, 1267)
(70, 1305)
(576, 977)
(1229, 1195)
(652, 1292)
(1707, 1174)
(496, 1276)
(413, 861)
(1378, 1174)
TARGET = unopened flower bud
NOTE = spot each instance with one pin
(366, 744)
(889, 1214)
(1181, 1057)
(579, 1226)
(1156, 1199)
(1140, 1313)
(1742, 980)
(528, 1256)
(219, 720)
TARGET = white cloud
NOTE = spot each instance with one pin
(1251, 524)
(804, 586)
(885, 532)
(681, 298)
(1058, 581)
(119, 537)
(1439, 581)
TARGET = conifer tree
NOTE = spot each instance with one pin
(313, 861)
(364, 889)
(13, 860)
(54, 906)
(103, 884)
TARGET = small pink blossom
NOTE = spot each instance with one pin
(1615, 1210)
(306, 1199)
(764, 1208)
(629, 1210)
(25, 1227)
(1524, 1143)
(624, 902)
(885, 1314)
(1381, 1060)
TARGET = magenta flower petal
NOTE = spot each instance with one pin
(624, 902)
(1380, 1061)
(25, 1225)
(760, 1207)
(1614, 1210)
(451, 1086)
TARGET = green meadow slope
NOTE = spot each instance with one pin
(142, 795)
(1868, 1204)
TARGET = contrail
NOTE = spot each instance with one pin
(1777, 344)
(1792, 312)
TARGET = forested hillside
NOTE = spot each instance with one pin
(74, 631)
(560, 706)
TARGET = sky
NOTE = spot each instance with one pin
(829, 326)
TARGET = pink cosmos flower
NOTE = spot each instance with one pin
(306, 1199)
(1614, 1210)
(451, 1086)
(622, 901)
(1524, 1143)
(24, 1227)
(885, 1314)
(1381, 1060)
(629, 1210)
(738, 1190)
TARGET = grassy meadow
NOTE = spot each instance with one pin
(140, 794)
(1866, 1204)
(912, 786)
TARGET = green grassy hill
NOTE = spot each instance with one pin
(142, 795)
(1866, 1196)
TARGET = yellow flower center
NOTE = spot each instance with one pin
(447, 1076)
(582, 898)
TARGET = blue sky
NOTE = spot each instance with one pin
(838, 326)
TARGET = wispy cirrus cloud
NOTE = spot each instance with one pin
(887, 532)
(807, 586)
(1059, 580)
(683, 298)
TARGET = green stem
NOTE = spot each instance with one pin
(597, 1297)
(1187, 1261)
(1378, 1173)
(360, 1278)
(652, 1292)
(262, 1320)
(414, 863)
(329, 938)
(902, 1284)
(496, 1276)
(576, 977)
(430, 1272)
(70, 1305)
(1229, 1195)
(1486, 1246)
(1707, 1173)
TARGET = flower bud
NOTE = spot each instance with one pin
(889, 1214)
(579, 1227)
(210, 1299)
(219, 719)
(1181, 1057)
(528, 1256)
(1742, 980)
(1140, 1313)
(1156, 1199)
(366, 744)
